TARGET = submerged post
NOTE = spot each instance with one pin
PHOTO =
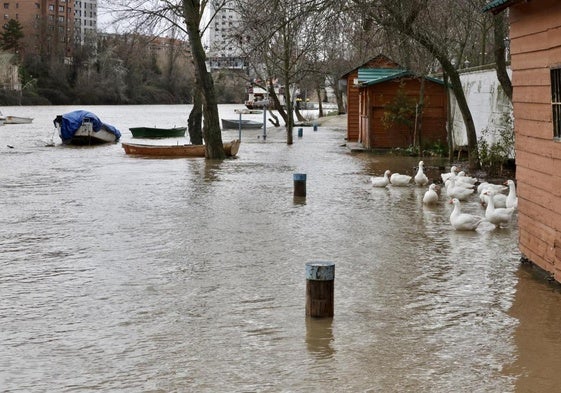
(299, 184)
(265, 121)
(240, 128)
(320, 284)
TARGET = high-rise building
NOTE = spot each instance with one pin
(85, 20)
(220, 40)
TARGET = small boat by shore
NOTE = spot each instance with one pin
(234, 124)
(84, 128)
(154, 132)
(16, 119)
(230, 148)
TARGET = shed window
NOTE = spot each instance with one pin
(556, 101)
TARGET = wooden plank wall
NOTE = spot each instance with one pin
(535, 34)
(434, 114)
(352, 108)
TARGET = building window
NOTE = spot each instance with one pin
(6, 6)
(556, 101)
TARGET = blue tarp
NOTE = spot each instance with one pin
(71, 122)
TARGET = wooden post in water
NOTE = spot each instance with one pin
(320, 284)
(299, 184)
(300, 132)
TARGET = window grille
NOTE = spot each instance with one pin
(556, 101)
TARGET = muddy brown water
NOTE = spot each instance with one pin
(127, 274)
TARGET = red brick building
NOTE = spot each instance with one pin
(48, 25)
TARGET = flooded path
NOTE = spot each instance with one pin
(127, 274)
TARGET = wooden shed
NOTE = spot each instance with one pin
(535, 47)
(352, 81)
(381, 84)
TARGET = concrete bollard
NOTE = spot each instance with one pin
(320, 284)
(300, 132)
(299, 184)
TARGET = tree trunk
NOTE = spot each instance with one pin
(450, 120)
(419, 118)
(457, 89)
(500, 58)
(214, 147)
(195, 120)
(320, 102)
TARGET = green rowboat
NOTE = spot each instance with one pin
(153, 132)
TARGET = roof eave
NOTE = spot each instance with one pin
(498, 6)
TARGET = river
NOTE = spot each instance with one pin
(127, 274)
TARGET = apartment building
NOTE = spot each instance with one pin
(49, 25)
(219, 38)
(85, 20)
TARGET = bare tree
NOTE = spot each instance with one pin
(186, 16)
(500, 37)
(279, 42)
(442, 30)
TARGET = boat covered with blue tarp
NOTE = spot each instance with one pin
(85, 128)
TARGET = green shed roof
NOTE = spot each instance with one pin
(493, 4)
(497, 6)
(372, 76)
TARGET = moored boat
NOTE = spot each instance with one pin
(16, 120)
(258, 97)
(234, 124)
(230, 148)
(154, 132)
(85, 128)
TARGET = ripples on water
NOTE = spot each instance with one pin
(130, 274)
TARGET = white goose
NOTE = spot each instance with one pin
(420, 178)
(431, 196)
(491, 186)
(399, 180)
(381, 181)
(497, 216)
(499, 200)
(460, 192)
(463, 221)
(446, 176)
(462, 177)
(511, 199)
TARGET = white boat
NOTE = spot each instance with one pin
(14, 119)
(17, 120)
(234, 124)
(85, 128)
(258, 97)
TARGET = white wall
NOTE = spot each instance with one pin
(488, 104)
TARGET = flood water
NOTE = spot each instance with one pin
(119, 273)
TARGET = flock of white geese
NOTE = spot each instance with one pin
(500, 200)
